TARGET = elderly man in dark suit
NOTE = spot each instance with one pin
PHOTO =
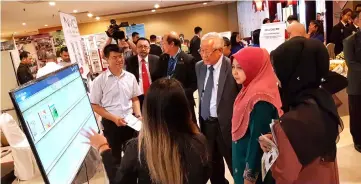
(352, 52)
(217, 92)
(143, 66)
(174, 63)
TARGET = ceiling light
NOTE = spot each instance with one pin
(46, 25)
(24, 24)
(204, 3)
(156, 6)
(75, 11)
(153, 10)
(97, 18)
(90, 15)
(51, 3)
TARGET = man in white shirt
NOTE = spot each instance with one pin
(65, 58)
(50, 65)
(114, 95)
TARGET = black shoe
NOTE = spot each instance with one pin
(358, 147)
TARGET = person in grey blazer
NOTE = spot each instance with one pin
(352, 52)
(217, 92)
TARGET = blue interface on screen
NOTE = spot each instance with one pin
(55, 110)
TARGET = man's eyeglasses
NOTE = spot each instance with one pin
(205, 53)
(143, 47)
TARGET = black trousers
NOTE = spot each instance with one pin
(211, 129)
(117, 137)
(354, 102)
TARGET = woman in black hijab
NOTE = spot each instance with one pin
(307, 133)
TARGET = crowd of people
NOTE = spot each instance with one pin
(242, 89)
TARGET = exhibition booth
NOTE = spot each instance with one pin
(45, 114)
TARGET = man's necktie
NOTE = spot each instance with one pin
(171, 64)
(145, 77)
(207, 95)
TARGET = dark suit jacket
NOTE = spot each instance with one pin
(132, 171)
(226, 95)
(194, 46)
(339, 32)
(23, 74)
(352, 52)
(184, 73)
(132, 65)
(155, 50)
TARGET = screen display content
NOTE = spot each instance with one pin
(53, 110)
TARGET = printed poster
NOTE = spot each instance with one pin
(73, 42)
(139, 28)
(272, 35)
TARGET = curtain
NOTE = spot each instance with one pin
(248, 19)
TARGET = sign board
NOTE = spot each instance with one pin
(272, 35)
(73, 42)
(139, 28)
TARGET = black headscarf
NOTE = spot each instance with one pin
(311, 120)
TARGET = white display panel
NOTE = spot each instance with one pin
(54, 110)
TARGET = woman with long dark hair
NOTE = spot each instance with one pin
(315, 30)
(169, 149)
(236, 43)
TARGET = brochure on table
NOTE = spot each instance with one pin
(269, 158)
(73, 42)
(272, 35)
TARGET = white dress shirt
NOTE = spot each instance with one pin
(140, 73)
(64, 64)
(114, 93)
(216, 72)
(48, 68)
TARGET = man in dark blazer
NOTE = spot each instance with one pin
(23, 72)
(196, 43)
(340, 31)
(354, 27)
(154, 48)
(217, 92)
(143, 66)
(352, 52)
(174, 63)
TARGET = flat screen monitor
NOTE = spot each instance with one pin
(53, 110)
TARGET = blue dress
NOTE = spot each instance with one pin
(236, 48)
(318, 37)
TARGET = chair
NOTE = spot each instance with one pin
(331, 50)
(25, 166)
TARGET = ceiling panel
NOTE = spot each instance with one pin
(38, 13)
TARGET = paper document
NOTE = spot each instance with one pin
(270, 157)
(133, 122)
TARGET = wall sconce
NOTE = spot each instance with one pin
(259, 5)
